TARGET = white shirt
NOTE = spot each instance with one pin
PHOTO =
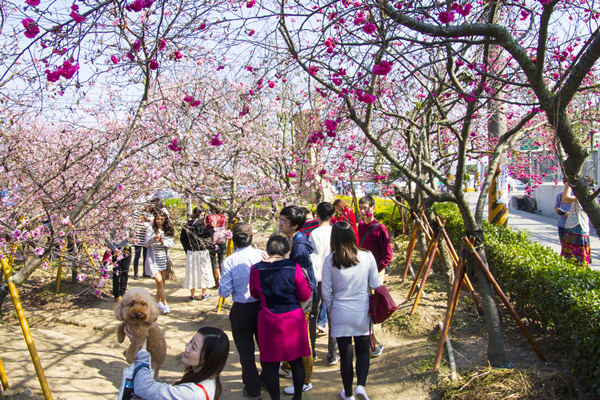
(321, 241)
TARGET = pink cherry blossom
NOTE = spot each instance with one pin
(173, 146)
(251, 32)
(153, 65)
(177, 55)
(45, 266)
(383, 68)
(38, 251)
(330, 125)
(137, 45)
(216, 141)
(76, 17)
(191, 101)
(162, 43)
(33, 3)
(74, 7)
(360, 19)
(446, 17)
(115, 59)
(369, 29)
(313, 70)
(31, 28)
(80, 277)
(271, 84)
(250, 3)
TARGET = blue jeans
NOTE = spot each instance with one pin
(136, 259)
(322, 319)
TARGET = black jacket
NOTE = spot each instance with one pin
(195, 236)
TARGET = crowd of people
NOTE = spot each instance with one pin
(313, 272)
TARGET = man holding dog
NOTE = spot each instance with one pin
(244, 312)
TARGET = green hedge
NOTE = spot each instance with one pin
(560, 296)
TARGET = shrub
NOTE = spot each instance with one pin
(383, 212)
(560, 296)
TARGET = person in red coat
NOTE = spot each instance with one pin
(345, 213)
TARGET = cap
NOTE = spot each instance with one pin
(240, 228)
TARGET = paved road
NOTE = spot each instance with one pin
(542, 229)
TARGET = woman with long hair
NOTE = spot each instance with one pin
(205, 357)
(159, 238)
(576, 242)
(348, 274)
(344, 213)
(280, 285)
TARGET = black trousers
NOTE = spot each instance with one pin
(312, 328)
(271, 371)
(120, 276)
(244, 328)
(361, 344)
(139, 250)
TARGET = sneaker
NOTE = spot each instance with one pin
(321, 329)
(161, 306)
(166, 310)
(206, 297)
(333, 361)
(191, 298)
(378, 351)
(316, 358)
(305, 388)
(361, 393)
(343, 395)
(285, 374)
(247, 396)
(136, 277)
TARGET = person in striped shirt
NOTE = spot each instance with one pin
(142, 220)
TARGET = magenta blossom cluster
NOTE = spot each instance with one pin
(173, 146)
(316, 137)
(383, 68)
(76, 17)
(369, 29)
(114, 59)
(313, 70)
(331, 126)
(365, 97)
(216, 141)
(381, 177)
(446, 17)
(330, 44)
(67, 71)
(31, 28)
(250, 3)
(33, 3)
(360, 18)
(153, 65)
(463, 10)
(191, 101)
(291, 174)
(139, 5)
(245, 110)
(177, 55)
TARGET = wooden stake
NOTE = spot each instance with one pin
(426, 274)
(421, 267)
(452, 303)
(410, 249)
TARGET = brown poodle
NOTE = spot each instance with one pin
(139, 311)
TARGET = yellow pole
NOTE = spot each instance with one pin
(88, 254)
(229, 252)
(498, 199)
(26, 332)
(3, 377)
(59, 275)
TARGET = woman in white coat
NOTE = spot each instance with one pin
(159, 238)
(348, 273)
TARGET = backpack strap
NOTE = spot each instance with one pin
(362, 241)
(204, 390)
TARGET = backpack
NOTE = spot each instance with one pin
(307, 305)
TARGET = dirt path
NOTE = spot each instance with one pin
(82, 359)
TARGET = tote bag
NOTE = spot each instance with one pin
(126, 389)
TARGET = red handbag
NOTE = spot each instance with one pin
(381, 305)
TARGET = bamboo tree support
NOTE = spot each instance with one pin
(452, 303)
(59, 274)
(404, 220)
(229, 252)
(455, 258)
(421, 268)
(503, 297)
(89, 257)
(410, 248)
(3, 377)
(426, 273)
(26, 332)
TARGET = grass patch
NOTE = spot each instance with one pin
(495, 384)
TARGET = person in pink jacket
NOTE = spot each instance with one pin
(280, 285)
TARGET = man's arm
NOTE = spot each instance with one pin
(226, 282)
(386, 247)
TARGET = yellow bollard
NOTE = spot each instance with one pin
(26, 332)
(3, 377)
(229, 252)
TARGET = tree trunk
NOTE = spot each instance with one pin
(496, 352)
(20, 277)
